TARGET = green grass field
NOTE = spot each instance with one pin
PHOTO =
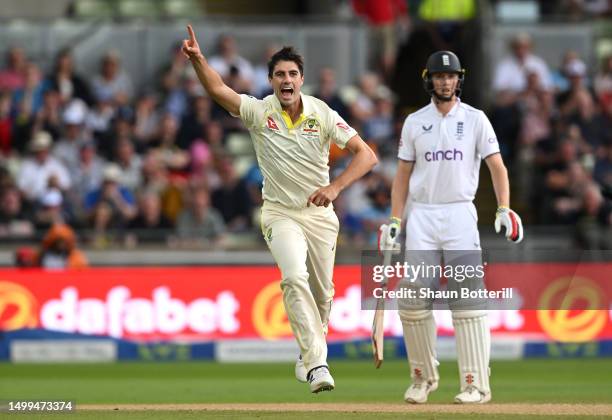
(580, 381)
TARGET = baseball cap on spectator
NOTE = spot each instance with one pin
(75, 112)
(575, 68)
(112, 173)
(51, 198)
(41, 141)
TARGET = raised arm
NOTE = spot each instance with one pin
(210, 79)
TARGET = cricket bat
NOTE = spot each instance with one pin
(378, 334)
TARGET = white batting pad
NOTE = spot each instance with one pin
(473, 349)
(420, 339)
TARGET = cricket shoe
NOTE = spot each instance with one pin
(418, 392)
(300, 370)
(320, 380)
(472, 395)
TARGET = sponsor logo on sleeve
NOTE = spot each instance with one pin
(272, 124)
(343, 126)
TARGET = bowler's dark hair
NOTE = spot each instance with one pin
(286, 54)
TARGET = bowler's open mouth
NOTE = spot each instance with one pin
(286, 92)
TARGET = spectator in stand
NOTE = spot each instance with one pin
(122, 127)
(214, 135)
(379, 128)
(261, 83)
(49, 118)
(59, 250)
(201, 165)
(86, 176)
(377, 212)
(386, 18)
(538, 106)
(154, 173)
(510, 77)
(594, 225)
(130, 164)
(575, 71)
(363, 106)
(12, 77)
(192, 125)
(176, 70)
(150, 223)
(199, 224)
(42, 171)
(510, 80)
(579, 105)
(28, 100)
(602, 173)
(228, 61)
(327, 92)
(15, 215)
(603, 82)
(232, 198)
(100, 117)
(64, 80)
(111, 206)
(558, 76)
(51, 209)
(146, 120)
(7, 143)
(112, 84)
(67, 150)
(174, 158)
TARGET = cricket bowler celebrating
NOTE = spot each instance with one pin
(291, 133)
(440, 150)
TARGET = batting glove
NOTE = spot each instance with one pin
(511, 221)
(388, 234)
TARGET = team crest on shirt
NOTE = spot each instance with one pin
(459, 133)
(427, 129)
(311, 129)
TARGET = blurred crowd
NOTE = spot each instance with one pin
(123, 167)
(555, 123)
(127, 167)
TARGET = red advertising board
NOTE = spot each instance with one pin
(204, 303)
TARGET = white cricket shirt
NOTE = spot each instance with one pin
(293, 157)
(446, 151)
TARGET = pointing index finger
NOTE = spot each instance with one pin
(191, 33)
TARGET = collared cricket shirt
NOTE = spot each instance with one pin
(446, 151)
(293, 157)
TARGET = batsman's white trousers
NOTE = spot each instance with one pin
(303, 244)
(451, 226)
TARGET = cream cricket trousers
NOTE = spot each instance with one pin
(303, 244)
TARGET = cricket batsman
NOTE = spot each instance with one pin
(292, 133)
(440, 151)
